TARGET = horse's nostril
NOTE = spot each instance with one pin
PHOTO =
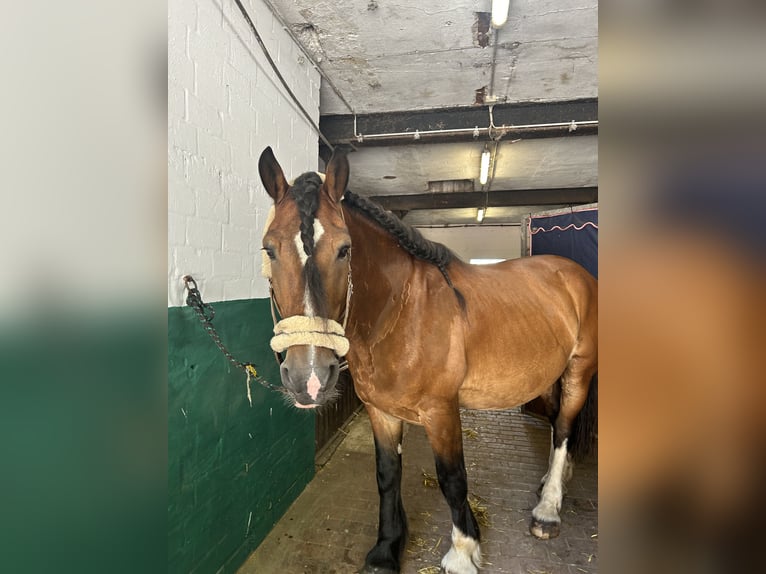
(285, 372)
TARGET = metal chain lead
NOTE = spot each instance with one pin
(194, 300)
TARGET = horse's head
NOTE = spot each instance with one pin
(307, 249)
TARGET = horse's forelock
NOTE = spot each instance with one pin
(305, 192)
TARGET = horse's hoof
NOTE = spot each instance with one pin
(544, 529)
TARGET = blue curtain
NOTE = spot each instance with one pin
(573, 235)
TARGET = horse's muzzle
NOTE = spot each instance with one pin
(310, 375)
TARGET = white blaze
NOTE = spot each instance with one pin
(318, 232)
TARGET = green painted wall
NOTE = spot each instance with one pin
(227, 460)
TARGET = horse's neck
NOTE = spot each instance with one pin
(381, 270)
(376, 255)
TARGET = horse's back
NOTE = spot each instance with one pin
(524, 320)
(517, 284)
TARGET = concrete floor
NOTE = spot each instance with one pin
(332, 525)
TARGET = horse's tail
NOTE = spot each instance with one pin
(584, 433)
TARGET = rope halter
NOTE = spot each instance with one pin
(317, 331)
(303, 329)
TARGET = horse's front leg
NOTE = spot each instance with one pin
(443, 427)
(385, 556)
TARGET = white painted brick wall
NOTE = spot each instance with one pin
(225, 105)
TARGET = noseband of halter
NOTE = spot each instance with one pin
(302, 329)
(317, 331)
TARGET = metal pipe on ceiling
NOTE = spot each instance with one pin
(495, 132)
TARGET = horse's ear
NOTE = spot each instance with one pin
(336, 175)
(272, 176)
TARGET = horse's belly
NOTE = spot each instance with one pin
(495, 389)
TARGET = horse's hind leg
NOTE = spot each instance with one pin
(575, 382)
(385, 556)
(443, 428)
(548, 405)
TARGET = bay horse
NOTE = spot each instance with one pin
(425, 334)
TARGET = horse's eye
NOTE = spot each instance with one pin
(270, 252)
(344, 251)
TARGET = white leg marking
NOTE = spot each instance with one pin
(464, 555)
(567, 473)
(547, 510)
(550, 461)
(399, 448)
(568, 468)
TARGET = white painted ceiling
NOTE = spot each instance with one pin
(526, 164)
(384, 56)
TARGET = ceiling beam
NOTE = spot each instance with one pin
(339, 129)
(499, 198)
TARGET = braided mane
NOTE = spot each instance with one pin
(305, 192)
(409, 238)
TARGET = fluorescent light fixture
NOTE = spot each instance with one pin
(484, 174)
(480, 215)
(485, 261)
(500, 12)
